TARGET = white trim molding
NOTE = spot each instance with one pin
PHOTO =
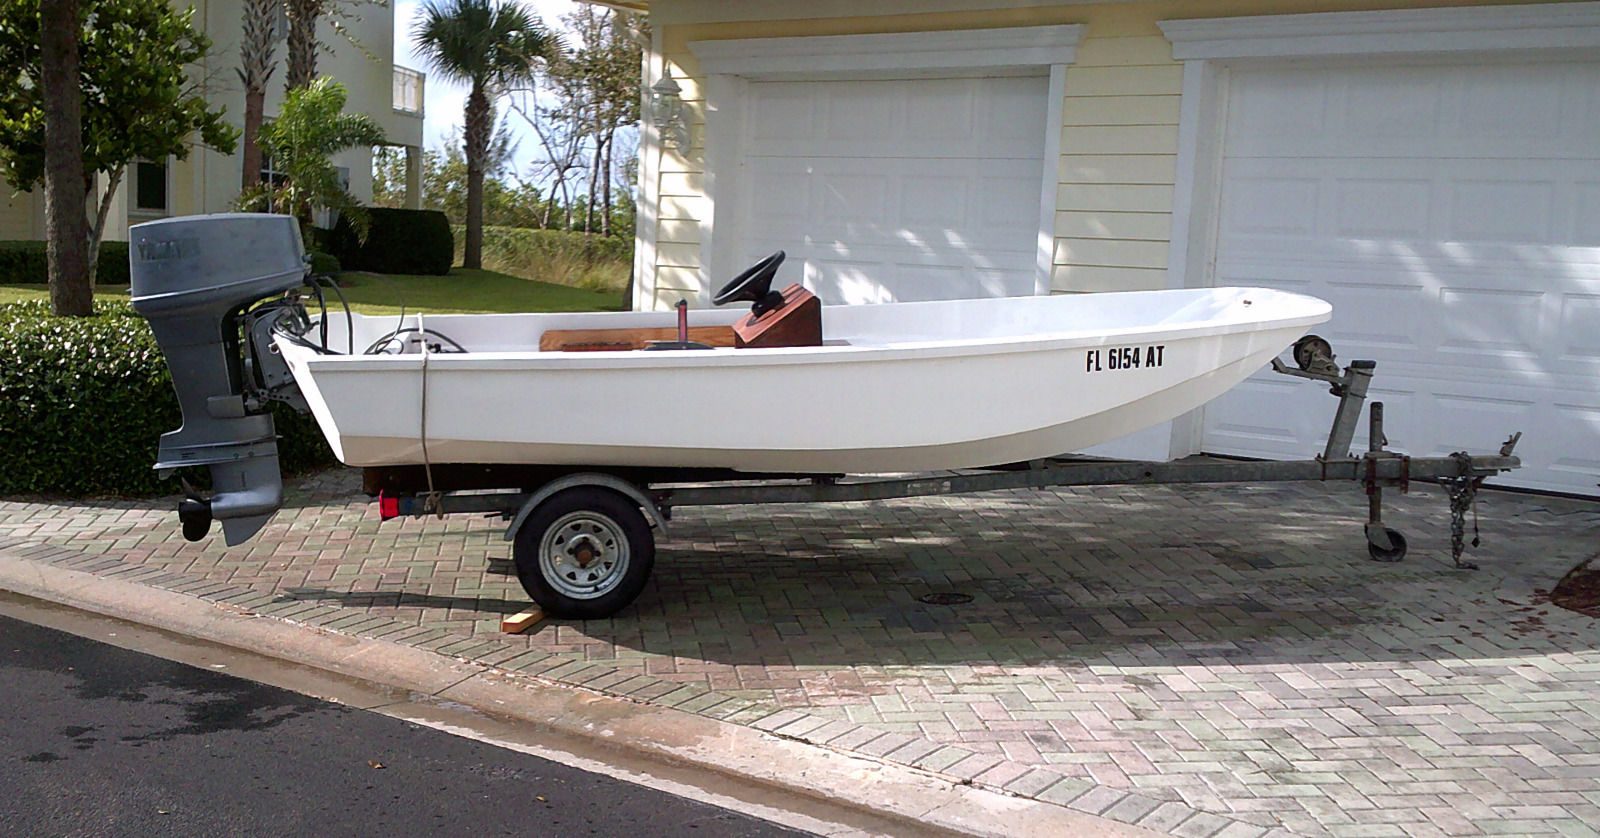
(947, 53)
(647, 211)
(1395, 32)
(727, 67)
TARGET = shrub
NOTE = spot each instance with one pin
(398, 242)
(84, 401)
(323, 263)
(25, 261)
(322, 239)
(600, 263)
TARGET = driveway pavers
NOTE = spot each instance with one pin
(1201, 660)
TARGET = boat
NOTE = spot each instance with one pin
(893, 387)
(731, 411)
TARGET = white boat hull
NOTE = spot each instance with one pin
(901, 387)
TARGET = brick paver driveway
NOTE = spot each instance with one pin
(1142, 652)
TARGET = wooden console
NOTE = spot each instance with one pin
(797, 323)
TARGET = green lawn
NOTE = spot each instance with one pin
(462, 291)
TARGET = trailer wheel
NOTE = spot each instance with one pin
(1393, 554)
(584, 553)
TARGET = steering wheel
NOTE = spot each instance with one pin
(755, 287)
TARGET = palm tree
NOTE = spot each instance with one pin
(256, 45)
(493, 46)
(311, 127)
(303, 16)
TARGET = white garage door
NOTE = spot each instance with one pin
(1451, 214)
(896, 189)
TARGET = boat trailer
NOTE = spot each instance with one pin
(219, 290)
(583, 541)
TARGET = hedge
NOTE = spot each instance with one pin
(84, 401)
(398, 242)
(25, 262)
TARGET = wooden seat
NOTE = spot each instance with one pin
(613, 340)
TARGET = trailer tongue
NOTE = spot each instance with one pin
(221, 294)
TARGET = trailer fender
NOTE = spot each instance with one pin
(587, 478)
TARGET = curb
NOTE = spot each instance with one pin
(915, 799)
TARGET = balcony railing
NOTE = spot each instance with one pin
(408, 91)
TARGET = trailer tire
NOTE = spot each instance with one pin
(585, 553)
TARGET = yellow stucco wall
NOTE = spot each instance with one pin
(1119, 131)
(21, 214)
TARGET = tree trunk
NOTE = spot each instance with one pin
(250, 152)
(256, 44)
(566, 197)
(605, 186)
(99, 228)
(302, 16)
(66, 224)
(479, 126)
(594, 175)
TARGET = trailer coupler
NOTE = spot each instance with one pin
(1463, 492)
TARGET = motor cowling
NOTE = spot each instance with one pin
(192, 278)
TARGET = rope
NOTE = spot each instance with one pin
(432, 502)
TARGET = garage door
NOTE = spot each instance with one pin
(1451, 214)
(894, 190)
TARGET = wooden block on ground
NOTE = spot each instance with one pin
(798, 323)
(519, 623)
(604, 340)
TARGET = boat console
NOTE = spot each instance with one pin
(791, 317)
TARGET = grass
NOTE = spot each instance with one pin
(461, 291)
(564, 258)
(468, 292)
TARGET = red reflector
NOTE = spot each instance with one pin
(388, 507)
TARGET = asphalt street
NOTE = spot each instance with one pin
(97, 740)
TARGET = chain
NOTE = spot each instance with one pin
(1463, 491)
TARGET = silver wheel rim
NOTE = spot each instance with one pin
(583, 555)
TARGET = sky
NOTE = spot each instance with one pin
(443, 101)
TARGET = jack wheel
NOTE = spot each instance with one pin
(584, 553)
(1394, 554)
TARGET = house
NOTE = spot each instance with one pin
(1431, 168)
(208, 181)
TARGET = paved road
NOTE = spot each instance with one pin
(97, 740)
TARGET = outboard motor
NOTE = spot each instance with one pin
(193, 278)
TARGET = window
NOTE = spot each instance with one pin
(269, 175)
(150, 186)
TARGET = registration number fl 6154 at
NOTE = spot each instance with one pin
(1125, 358)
